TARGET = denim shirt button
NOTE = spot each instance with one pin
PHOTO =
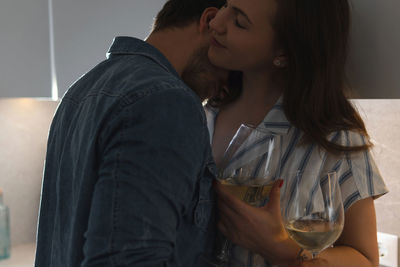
(212, 168)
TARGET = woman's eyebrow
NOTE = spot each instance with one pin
(241, 12)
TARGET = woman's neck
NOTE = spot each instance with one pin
(258, 96)
(260, 90)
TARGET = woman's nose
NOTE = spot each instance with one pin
(217, 24)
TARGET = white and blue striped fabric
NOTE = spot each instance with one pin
(358, 174)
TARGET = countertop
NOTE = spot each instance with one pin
(21, 256)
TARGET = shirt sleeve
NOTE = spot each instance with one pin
(360, 177)
(152, 157)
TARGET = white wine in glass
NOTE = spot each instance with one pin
(252, 194)
(316, 225)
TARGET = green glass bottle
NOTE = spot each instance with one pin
(5, 244)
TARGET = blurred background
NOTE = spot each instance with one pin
(48, 44)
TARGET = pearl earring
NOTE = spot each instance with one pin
(279, 63)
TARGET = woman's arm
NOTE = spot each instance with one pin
(357, 245)
(261, 230)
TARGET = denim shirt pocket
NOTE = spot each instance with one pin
(204, 210)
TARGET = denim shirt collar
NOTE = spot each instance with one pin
(124, 45)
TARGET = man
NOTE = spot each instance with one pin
(129, 170)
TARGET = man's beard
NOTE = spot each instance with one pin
(201, 76)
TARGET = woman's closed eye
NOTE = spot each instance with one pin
(238, 24)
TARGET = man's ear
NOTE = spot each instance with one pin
(208, 14)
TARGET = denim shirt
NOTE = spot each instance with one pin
(128, 172)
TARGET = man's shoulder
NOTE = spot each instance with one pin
(143, 78)
(126, 76)
(173, 104)
(132, 82)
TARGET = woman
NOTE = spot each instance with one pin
(288, 58)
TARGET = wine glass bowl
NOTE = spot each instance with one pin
(250, 165)
(313, 223)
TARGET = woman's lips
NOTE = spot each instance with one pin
(214, 42)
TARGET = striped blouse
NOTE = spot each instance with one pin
(358, 174)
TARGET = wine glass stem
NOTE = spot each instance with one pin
(314, 255)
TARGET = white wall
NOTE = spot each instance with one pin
(24, 46)
(375, 48)
(24, 125)
(383, 125)
(84, 30)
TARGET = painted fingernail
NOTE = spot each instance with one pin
(280, 184)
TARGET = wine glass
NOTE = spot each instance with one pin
(313, 221)
(250, 165)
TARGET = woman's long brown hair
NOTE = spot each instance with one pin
(314, 34)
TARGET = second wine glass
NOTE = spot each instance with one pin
(314, 222)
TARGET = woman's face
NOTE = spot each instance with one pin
(243, 35)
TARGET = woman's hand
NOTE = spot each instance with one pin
(260, 230)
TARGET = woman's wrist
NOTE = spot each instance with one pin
(301, 256)
(287, 253)
(304, 255)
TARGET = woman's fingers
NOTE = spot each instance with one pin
(229, 199)
(226, 210)
(273, 204)
(227, 228)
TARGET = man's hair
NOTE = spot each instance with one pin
(180, 13)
